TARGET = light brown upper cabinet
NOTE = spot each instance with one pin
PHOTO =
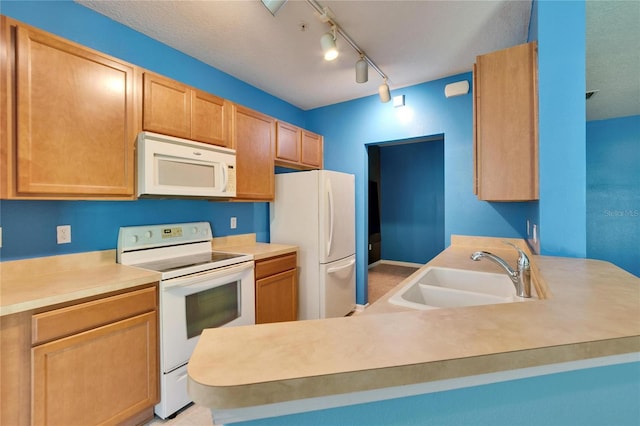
(297, 148)
(311, 149)
(253, 136)
(69, 118)
(175, 109)
(506, 124)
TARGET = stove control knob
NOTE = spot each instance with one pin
(134, 239)
(148, 234)
(194, 230)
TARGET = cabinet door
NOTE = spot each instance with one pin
(311, 149)
(277, 298)
(253, 140)
(209, 119)
(167, 106)
(506, 119)
(288, 140)
(101, 376)
(75, 119)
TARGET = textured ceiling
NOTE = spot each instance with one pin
(411, 41)
(613, 58)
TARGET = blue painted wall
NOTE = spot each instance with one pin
(592, 397)
(570, 398)
(613, 191)
(562, 161)
(412, 201)
(29, 226)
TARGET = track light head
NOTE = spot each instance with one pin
(362, 70)
(328, 44)
(383, 91)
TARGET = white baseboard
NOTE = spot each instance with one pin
(360, 308)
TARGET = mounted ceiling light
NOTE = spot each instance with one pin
(273, 5)
(328, 44)
(383, 91)
(362, 70)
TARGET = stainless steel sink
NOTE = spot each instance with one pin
(438, 287)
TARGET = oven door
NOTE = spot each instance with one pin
(222, 297)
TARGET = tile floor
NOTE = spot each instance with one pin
(382, 278)
(193, 415)
(385, 276)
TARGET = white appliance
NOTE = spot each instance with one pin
(180, 167)
(199, 289)
(315, 210)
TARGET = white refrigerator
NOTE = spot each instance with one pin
(315, 210)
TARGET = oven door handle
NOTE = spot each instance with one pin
(193, 280)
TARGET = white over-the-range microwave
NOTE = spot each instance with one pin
(169, 166)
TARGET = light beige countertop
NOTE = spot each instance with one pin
(37, 283)
(588, 309)
(32, 284)
(247, 244)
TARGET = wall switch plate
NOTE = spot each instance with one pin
(64, 234)
(234, 222)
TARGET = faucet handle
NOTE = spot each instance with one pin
(523, 259)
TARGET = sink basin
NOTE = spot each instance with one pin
(438, 287)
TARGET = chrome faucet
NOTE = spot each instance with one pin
(521, 278)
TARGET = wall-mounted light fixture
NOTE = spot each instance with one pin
(328, 44)
(362, 70)
(398, 101)
(273, 5)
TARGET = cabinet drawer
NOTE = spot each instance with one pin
(74, 319)
(275, 265)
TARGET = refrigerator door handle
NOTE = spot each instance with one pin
(341, 268)
(331, 216)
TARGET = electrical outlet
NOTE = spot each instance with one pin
(64, 234)
(234, 223)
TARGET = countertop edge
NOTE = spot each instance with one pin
(228, 397)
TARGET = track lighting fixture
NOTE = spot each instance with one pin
(383, 91)
(362, 70)
(328, 44)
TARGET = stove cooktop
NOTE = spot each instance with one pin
(182, 262)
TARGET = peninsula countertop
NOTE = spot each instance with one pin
(588, 309)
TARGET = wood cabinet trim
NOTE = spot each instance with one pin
(116, 180)
(311, 149)
(145, 394)
(63, 322)
(274, 265)
(282, 303)
(253, 136)
(288, 142)
(157, 111)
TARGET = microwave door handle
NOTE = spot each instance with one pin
(225, 176)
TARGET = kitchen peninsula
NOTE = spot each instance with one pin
(589, 315)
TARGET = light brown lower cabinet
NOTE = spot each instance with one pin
(277, 289)
(92, 363)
